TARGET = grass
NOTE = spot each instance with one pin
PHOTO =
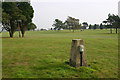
(45, 54)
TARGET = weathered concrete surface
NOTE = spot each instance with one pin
(77, 57)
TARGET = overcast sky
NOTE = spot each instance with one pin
(91, 11)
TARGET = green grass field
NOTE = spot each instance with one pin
(45, 54)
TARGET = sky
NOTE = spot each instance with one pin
(91, 11)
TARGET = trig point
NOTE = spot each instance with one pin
(77, 53)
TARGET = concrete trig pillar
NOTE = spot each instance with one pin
(77, 53)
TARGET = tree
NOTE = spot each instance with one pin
(58, 24)
(95, 26)
(116, 22)
(68, 24)
(72, 23)
(113, 21)
(101, 26)
(16, 15)
(11, 14)
(110, 22)
(90, 26)
(85, 24)
(27, 11)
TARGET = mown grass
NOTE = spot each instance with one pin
(45, 54)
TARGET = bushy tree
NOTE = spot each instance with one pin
(16, 15)
(58, 24)
(113, 21)
(116, 22)
(27, 11)
(11, 14)
(72, 23)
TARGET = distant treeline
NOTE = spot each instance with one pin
(113, 21)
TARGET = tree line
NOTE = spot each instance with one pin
(112, 22)
(17, 16)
